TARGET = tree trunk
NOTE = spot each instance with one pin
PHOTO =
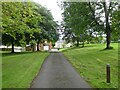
(38, 46)
(108, 29)
(83, 44)
(77, 42)
(108, 39)
(12, 46)
(33, 47)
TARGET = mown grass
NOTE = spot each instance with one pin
(19, 69)
(0, 71)
(91, 62)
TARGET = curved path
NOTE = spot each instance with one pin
(57, 72)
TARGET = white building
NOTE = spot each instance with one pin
(59, 44)
(16, 48)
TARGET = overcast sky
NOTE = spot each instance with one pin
(53, 6)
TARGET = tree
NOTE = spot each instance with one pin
(106, 8)
(48, 26)
(115, 25)
(32, 35)
(12, 26)
(19, 19)
(77, 20)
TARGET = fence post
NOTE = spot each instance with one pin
(108, 73)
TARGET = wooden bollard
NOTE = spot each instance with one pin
(108, 73)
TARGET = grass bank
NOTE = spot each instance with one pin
(90, 62)
(18, 70)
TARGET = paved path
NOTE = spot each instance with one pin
(57, 72)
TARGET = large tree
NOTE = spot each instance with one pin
(48, 26)
(105, 11)
(12, 27)
(76, 20)
(116, 24)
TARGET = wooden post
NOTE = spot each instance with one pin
(108, 73)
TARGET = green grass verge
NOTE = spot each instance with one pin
(18, 70)
(0, 71)
(63, 49)
(91, 61)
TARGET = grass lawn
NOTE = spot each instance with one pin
(0, 71)
(91, 61)
(18, 70)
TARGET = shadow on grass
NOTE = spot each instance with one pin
(15, 53)
(20, 53)
(74, 47)
(106, 49)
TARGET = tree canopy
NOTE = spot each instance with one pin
(83, 19)
(25, 23)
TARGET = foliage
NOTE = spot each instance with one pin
(78, 21)
(82, 17)
(48, 25)
(24, 22)
(11, 26)
(105, 10)
(116, 25)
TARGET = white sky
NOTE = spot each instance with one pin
(53, 6)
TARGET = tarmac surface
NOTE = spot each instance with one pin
(57, 72)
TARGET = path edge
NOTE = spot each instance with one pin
(38, 71)
(76, 70)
